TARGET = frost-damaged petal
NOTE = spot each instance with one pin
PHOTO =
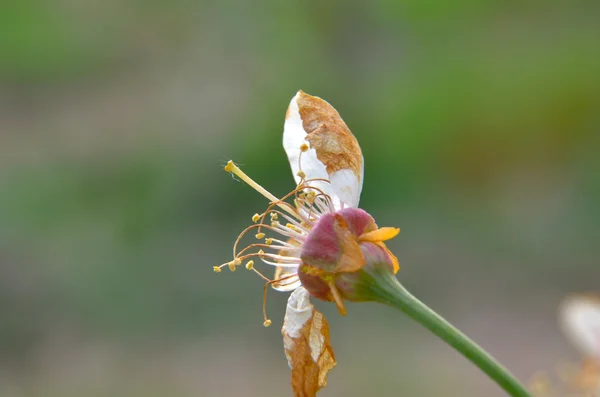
(580, 317)
(307, 346)
(333, 154)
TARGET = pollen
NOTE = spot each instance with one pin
(293, 227)
(267, 323)
(250, 265)
(234, 263)
(217, 269)
(260, 236)
(255, 218)
(304, 147)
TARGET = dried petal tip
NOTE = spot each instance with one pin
(307, 345)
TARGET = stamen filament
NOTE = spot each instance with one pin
(234, 169)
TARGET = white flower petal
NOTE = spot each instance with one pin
(298, 311)
(580, 320)
(333, 154)
(291, 282)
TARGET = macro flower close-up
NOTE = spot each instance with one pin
(266, 199)
(316, 238)
(323, 246)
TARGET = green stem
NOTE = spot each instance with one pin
(385, 288)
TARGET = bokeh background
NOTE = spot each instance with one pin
(479, 123)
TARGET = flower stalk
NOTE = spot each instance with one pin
(381, 286)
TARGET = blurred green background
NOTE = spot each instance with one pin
(480, 127)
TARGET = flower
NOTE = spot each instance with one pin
(316, 237)
(580, 321)
(579, 318)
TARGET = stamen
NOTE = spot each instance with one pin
(277, 229)
(250, 265)
(267, 321)
(284, 261)
(234, 169)
(260, 236)
(217, 269)
(255, 218)
(304, 147)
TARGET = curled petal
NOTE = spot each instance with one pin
(289, 279)
(307, 346)
(580, 320)
(330, 152)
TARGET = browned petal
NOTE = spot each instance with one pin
(310, 356)
(327, 133)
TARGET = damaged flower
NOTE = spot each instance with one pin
(315, 236)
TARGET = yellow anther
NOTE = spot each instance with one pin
(250, 265)
(312, 194)
(274, 216)
(293, 227)
(302, 195)
(274, 224)
(269, 241)
(255, 218)
(231, 266)
(304, 147)
(217, 269)
(229, 167)
(260, 236)
(260, 252)
(301, 174)
(267, 323)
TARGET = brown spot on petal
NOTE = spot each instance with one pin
(327, 133)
